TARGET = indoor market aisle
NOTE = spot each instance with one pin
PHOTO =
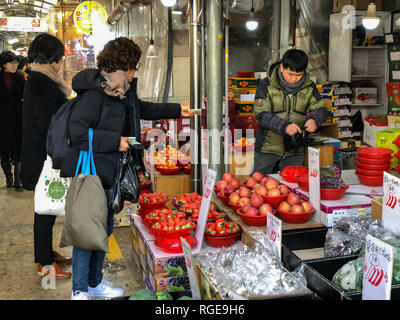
(18, 277)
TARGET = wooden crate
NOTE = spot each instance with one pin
(241, 165)
(172, 185)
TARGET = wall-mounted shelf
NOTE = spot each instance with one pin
(360, 105)
(369, 47)
(369, 76)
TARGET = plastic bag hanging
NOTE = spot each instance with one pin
(130, 181)
(114, 196)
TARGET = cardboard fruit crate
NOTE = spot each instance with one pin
(236, 83)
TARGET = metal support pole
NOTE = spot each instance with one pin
(226, 133)
(286, 7)
(203, 87)
(214, 84)
(276, 27)
(195, 123)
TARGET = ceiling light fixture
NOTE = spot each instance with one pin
(168, 3)
(371, 20)
(151, 52)
(252, 23)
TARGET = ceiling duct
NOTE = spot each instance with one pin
(122, 7)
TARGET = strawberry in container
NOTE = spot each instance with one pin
(190, 208)
(213, 215)
(222, 233)
(184, 198)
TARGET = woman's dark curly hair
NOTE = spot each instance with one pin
(7, 56)
(119, 54)
(45, 49)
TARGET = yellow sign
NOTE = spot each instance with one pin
(87, 14)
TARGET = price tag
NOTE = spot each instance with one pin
(187, 252)
(204, 208)
(391, 203)
(378, 269)
(313, 180)
(274, 232)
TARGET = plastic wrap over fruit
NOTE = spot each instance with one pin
(331, 171)
(347, 236)
(249, 272)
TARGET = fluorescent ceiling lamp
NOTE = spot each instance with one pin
(252, 23)
(168, 3)
(52, 1)
(37, 3)
(151, 52)
(371, 20)
(12, 41)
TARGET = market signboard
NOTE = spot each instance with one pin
(313, 179)
(274, 232)
(87, 14)
(391, 203)
(378, 269)
(23, 24)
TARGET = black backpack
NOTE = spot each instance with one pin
(58, 142)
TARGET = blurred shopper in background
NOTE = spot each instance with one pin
(45, 91)
(11, 91)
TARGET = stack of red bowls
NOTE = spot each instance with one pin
(371, 163)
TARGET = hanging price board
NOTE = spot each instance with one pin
(204, 208)
(274, 232)
(391, 203)
(313, 179)
(378, 269)
(187, 252)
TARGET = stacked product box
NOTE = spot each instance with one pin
(332, 211)
(161, 271)
(243, 90)
(385, 139)
(338, 98)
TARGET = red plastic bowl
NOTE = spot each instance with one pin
(289, 173)
(169, 171)
(221, 241)
(333, 194)
(234, 206)
(374, 152)
(275, 201)
(245, 74)
(151, 221)
(295, 217)
(375, 167)
(173, 234)
(376, 173)
(303, 183)
(186, 170)
(156, 205)
(372, 161)
(256, 221)
(370, 181)
(224, 199)
(174, 245)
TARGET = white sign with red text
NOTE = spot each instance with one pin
(204, 208)
(313, 180)
(391, 203)
(23, 24)
(274, 232)
(378, 269)
(194, 286)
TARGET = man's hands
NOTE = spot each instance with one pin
(124, 144)
(310, 125)
(292, 129)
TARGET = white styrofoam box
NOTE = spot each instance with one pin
(247, 97)
(330, 219)
(260, 75)
(370, 130)
(368, 95)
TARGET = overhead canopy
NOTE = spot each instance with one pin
(27, 8)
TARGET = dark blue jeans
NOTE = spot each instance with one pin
(87, 265)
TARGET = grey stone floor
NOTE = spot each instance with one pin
(18, 276)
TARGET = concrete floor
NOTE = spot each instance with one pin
(18, 275)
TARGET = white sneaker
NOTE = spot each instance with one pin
(79, 295)
(105, 290)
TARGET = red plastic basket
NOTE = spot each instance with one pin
(256, 221)
(303, 183)
(289, 173)
(224, 199)
(275, 201)
(216, 241)
(374, 152)
(169, 172)
(234, 206)
(156, 205)
(295, 218)
(333, 194)
(375, 173)
(173, 233)
(370, 181)
(174, 245)
(375, 167)
(245, 74)
(373, 161)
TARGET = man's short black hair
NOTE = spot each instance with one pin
(7, 56)
(295, 60)
(22, 61)
(45, 49)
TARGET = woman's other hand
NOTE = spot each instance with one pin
(186, 112)
(124, 144)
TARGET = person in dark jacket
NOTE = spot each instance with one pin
(45, 91)
(286, 101)
(11, 91)
(110, 106)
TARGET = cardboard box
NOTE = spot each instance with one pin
(393, 122)
(236, 93)
(235, 83)
(365, 95)
(345, 132)
(169, 284)
(330, 219)
(123, 219)
(357, 4)
(341, 111)
(342, 121)
(335, 143)
(244, 107)
(372, 125)
(393, 98)
(342, 101)
(376, 208)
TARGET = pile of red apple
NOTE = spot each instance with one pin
(266, 186)
(293, 204)
(227, 185)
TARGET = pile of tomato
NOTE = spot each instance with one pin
(192, 207)
(222, 227)
(153, 197)
(173, 224)
(165, 213)
(212, 215)
(185, 198)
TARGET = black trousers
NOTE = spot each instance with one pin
(43, 238)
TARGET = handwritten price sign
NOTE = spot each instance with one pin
(378, 269)
(187, 252)
(274, 232)
(313, 179)
(391, 203)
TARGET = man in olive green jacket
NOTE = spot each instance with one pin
(286, 101)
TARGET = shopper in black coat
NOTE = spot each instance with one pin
(45, 91)
(11, 91)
